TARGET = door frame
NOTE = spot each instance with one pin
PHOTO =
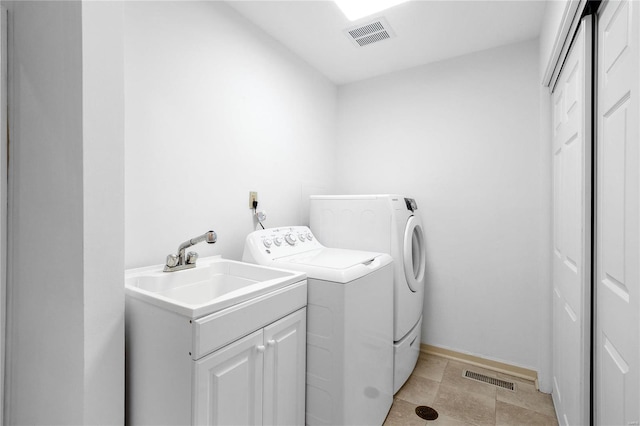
(4, 164)
(571, 18)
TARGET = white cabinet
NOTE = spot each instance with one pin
(284, 360)
(244, 365)
(228, 384)
(257, 380)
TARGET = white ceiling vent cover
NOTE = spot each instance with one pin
(370, 32)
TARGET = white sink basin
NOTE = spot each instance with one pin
(214, 284)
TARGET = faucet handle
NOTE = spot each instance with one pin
(192, 256)
(172, 260)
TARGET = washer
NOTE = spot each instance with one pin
(349, 323)
(387, 224)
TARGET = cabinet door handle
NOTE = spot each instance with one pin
(271, 343)
(260, 348)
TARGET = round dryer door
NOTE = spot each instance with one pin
(414, 253)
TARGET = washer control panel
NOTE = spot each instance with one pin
(272, 243)
(411, 204)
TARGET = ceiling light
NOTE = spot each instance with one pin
(356, 9)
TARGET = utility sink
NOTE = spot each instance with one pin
(214, 284)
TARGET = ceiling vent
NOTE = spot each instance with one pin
(369, 33)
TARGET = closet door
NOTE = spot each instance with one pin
(617, 330)
(571, 231)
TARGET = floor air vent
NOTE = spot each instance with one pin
(369, 33)
(490, 380)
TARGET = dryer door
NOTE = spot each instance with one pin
(414, 257)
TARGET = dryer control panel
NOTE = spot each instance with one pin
(273, 243)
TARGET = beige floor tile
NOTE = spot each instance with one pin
(437, 382)
(453, 377)
(430, 367)
(418, 390)
(526, 396)
(466, 406)
(509, 415)
(403, 413)
(443, 420)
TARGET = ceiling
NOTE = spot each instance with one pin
(426, 31)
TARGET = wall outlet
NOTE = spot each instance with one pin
(253, 196)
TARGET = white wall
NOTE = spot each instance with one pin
(463, 138)
(45, 360)
(65, 285)
(215, 109)
(103, 211)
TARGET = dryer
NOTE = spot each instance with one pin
(389, 224)
(349, 324)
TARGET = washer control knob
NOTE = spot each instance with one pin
(301, 237)
(290, 239)
(277, 241)
(309, 236)
(267, 243)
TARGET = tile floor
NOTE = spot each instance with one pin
(438, 383)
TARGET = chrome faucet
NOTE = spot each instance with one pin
(177, 262)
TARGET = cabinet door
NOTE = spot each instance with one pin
(284, 370)
(228, 384)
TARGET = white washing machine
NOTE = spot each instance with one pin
(386, 224)
(349, 324)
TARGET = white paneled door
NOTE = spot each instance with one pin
(571, 231)
(617, 274)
